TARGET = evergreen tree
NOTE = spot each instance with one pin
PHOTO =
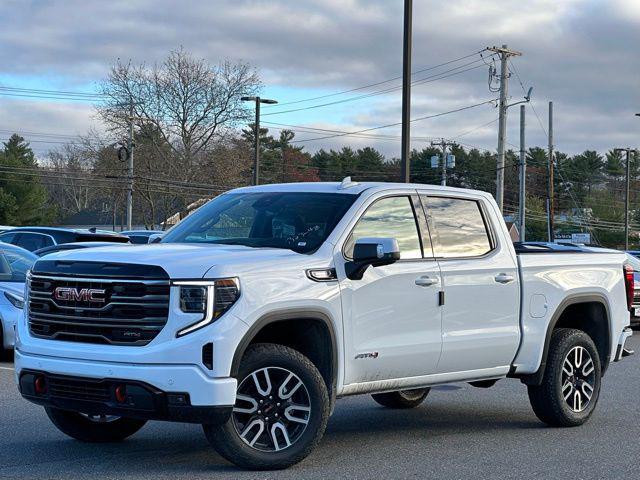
(23, 199)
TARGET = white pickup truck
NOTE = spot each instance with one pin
(259, 310)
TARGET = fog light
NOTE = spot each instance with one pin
(40, 385)
(121, 393)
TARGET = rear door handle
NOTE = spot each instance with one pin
(504, 278)
(426, 281)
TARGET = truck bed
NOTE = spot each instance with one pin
(552, 279)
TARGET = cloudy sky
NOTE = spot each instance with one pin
(582, 54)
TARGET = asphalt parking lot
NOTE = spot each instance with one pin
(460, 432)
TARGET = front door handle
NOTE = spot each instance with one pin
(426, 281)
(504, 278)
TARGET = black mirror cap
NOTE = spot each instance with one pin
(367, 252)
(375, 252)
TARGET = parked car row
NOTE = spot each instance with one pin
(20, 247)
(38, 238)
(14, 264)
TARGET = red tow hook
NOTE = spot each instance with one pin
(40, 385)
(121, 393)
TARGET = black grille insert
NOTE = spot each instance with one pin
(123, 312)
(79, 389)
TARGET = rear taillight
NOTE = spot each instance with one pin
(629, 284)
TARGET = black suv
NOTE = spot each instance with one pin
(35, 238)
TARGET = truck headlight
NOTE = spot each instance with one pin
(210, 298)
(15, 300)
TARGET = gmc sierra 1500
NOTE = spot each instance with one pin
(257, 311)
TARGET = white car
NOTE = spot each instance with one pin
(260, 309)
(14, 264)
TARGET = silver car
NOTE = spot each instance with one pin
(14, 264)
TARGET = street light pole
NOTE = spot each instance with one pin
(256, 139)
(523, 176)
(405, 153)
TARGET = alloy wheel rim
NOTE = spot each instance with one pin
(578, 379)
(272, 409)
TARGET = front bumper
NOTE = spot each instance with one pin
(123, 398)
(622, 351)
(8, 318)
(202, 390)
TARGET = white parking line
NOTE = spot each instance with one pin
(7, 368)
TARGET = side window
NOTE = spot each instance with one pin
(460, 229)
(7, 237)
(33, 241)
(391, 217)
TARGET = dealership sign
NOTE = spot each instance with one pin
(573, 238)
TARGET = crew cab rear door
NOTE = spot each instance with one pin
(480, 326)
(392, 319)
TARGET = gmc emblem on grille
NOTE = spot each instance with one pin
(79, 295)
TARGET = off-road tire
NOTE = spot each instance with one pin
(547, 399)
(226, 439)
(78, 426)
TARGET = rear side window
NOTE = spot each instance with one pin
(33, 241)
(391, 217)
(7, 237)
(460, 230)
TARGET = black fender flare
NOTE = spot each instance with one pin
(536, 378)
(291, 314)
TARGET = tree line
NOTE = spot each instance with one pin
(193, 140)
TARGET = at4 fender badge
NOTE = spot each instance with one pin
(367, 355)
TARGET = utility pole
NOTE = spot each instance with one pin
(443, 144)
(130, 169)
(523, 176)
(405, 154)
(504, 53)
(256, 139)
(551, 183)
(626, 192)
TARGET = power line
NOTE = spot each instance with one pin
(56, 92)
(364, 87)
(395, 124)
(429, 79)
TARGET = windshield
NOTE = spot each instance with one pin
(14, 264)
(297, 221)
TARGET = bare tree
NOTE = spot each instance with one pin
(190, 102)
(73, 164)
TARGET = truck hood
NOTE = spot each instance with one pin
(179, 260)
(12, 287)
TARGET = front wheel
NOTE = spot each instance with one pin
(281, 410)
(402, 398)
(571, 384)
(94, 428)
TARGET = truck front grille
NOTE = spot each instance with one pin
(97, 310)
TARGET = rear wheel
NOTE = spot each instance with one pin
(571, 384)
(94, 428)
(402, 398)
(281, 410)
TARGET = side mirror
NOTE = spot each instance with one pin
(155, 238)
(374, 252)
